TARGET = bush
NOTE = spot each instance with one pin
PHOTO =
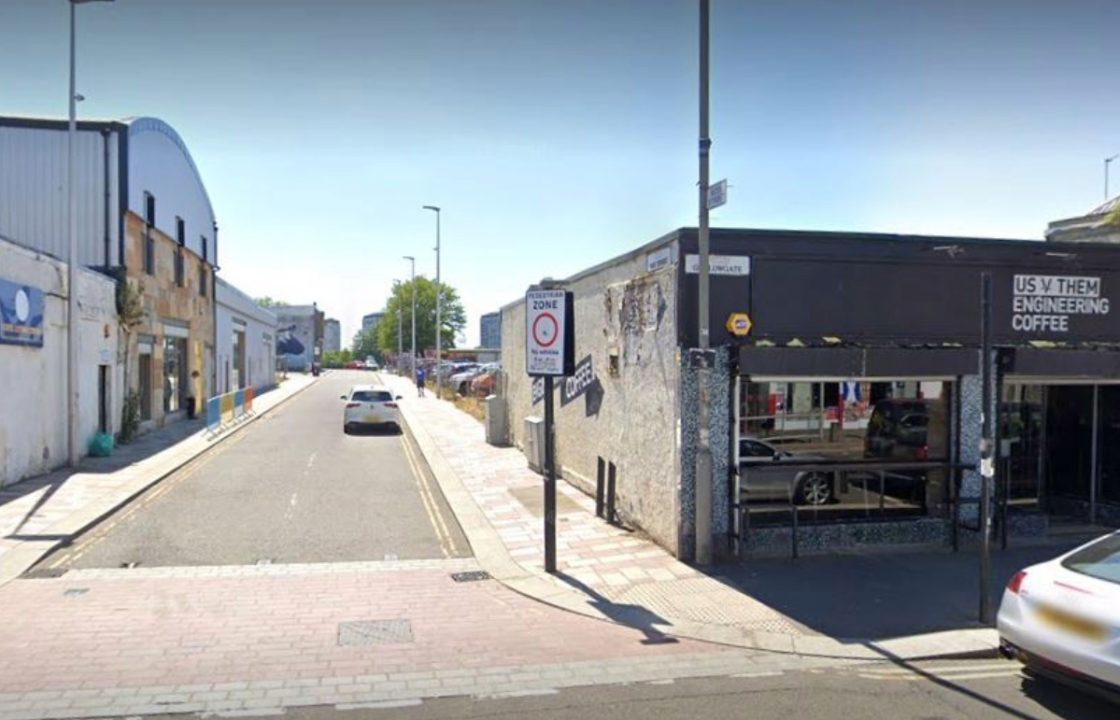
(130, 418)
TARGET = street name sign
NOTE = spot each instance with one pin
(717, 194)
(549, 333)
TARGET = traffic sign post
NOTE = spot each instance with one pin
(549, 353)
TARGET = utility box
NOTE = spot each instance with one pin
(497, 421)
(534, 443)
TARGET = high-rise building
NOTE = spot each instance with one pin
(490, 330)
(372, 320)
(332, 335)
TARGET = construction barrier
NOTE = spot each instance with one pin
(249, 400)
(214, 413)
(223, 410)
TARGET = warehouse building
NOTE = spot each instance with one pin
(246, 342)
(845, 386)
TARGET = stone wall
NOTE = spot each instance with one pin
(166, 302)
(626, 324)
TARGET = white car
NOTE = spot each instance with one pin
(370, 406)
(1062, 618)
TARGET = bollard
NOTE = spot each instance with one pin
(600, 471)
(610, 492)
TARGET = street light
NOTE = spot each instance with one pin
(1107, 162)
(439, 317)
(73, 449)
(413, 261)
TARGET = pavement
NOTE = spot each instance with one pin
(609, 572)
(41, 514)
(291, 489)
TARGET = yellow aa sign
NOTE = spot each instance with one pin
(739, 324)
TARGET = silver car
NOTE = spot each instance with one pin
(764, 478)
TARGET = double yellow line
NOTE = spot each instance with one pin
(447, 543)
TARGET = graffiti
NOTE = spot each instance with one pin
(287, 343)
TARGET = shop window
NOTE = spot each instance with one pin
(175, 381)
(840, 451)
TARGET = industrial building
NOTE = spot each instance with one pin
(246, 342)
(299, 336)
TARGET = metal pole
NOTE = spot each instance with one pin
(73, 451)
(400, 336)
(986, 450)
(549, 481)
(704, 450)
(413, 317)
(439, 306)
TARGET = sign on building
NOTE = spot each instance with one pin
(549, 333)
(21, 314)
(1045, 303)
(719, 264)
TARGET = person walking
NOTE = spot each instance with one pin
(420, 377)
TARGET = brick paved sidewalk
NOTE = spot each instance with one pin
(605, 570)
(39, 514)
(250, 638)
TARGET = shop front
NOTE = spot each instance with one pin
(856, 394)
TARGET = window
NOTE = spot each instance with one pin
(179, 267)
(180, 231)
(205, 248)
(149, 209)
(149, 253)
(1100, 560)
(372, 396)
(202, 279)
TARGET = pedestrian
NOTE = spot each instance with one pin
(420, 381)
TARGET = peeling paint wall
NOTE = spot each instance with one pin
(626, 322)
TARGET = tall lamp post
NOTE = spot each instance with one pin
(1107, 162)
(413, 293)
(439, 317)
(73, 448)
(703, 451)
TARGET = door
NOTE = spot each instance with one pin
(145, 386)
(1069, 442)
(103, 398)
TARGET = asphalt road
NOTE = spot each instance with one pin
(943, 690)
(291, 487)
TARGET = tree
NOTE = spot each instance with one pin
(453, 317)
(130, 314)
(365, 344)
(267, 301)
(337, 358)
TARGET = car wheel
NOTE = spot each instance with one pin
(814, 489)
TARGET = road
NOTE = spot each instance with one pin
(290, 488)
(941, 690)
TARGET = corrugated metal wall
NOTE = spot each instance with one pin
(33, 191)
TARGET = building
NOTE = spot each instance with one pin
(845, 386)
(246, 342)
(371, 321)
(33, 360)
(1101, 224)
(143, 217)
(332, 335)
(299, 335)
(490, 330)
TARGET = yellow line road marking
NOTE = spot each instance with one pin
(446, 543)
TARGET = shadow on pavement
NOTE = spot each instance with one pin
(634, 616)
(880, 595)
(139, 449)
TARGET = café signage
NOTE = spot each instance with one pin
(1045, 303)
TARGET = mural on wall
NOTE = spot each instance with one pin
(21, 315)
(295, 340)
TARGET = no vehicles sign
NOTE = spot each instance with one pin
(549, 334)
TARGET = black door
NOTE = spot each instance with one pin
(1069, 441)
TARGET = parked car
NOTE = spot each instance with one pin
(354, 365)
(485, 383)
(770, 481)
(898, 429)
(461, 381)
(370, 406)
(1061, 618)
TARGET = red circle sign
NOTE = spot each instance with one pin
(545, 336)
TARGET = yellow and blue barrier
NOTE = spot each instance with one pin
(228, 409)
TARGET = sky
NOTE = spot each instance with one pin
(556, 135)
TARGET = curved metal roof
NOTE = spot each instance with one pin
(141, 124)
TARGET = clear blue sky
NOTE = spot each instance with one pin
(557, 134)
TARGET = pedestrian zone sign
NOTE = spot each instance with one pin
(549, 334)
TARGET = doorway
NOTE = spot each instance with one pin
(145, 386)
(103, 398)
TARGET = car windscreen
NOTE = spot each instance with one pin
(371, 396)
(1100, 560)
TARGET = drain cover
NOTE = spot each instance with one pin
(43, 573)
(374, 632)
(470, 576)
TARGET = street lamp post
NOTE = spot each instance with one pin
(703, 486)
(1107, 162)
(73, 447)
(439, 317)
(400, 337)
(412, 260)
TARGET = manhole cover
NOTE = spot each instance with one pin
(470, 576)
(43, 573)
(374, 632)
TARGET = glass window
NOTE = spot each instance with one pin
(843, 450)
(175, 384)
(1100, 560)
(371, 396)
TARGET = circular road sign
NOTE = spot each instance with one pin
(545, 330)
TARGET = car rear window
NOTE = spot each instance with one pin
(371, 396)
(1100, 560)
